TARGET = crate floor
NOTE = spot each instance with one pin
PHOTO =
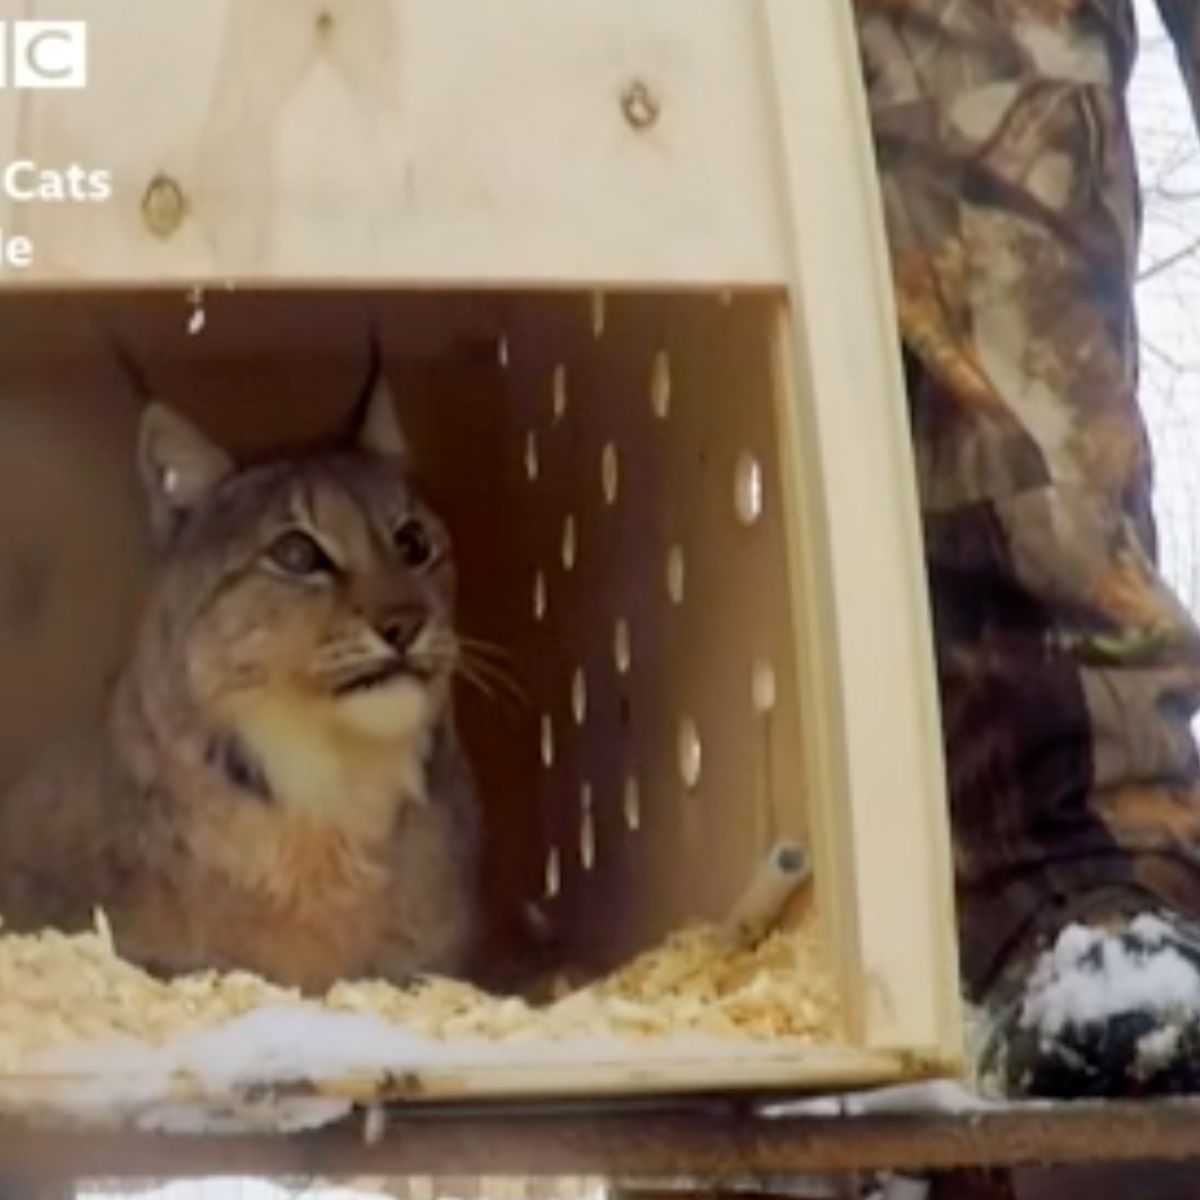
(88, 1037)
(284, 1070)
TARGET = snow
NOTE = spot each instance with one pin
(1156, 1049)
(900, 1187)
(936, 1096)
(1149, 928)
(374, 1125)
(1090, 976)
(230, 1188)
(234, 1187)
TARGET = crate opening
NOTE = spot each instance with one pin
(609, 472)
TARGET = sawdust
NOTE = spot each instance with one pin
(692, 984)
(60, 990)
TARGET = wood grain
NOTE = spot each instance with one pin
(409, 140)
(876, 771)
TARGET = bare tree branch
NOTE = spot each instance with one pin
(1169, 260)
(1168, 360)
(1164, 191)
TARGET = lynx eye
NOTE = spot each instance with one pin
(299, 553)
(413, 543)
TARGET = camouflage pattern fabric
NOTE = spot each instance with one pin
(1069, 671)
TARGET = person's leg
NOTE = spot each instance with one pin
(1069, 672)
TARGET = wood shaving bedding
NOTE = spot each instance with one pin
(691, 984)
(58, 990)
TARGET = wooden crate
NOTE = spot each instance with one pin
(633, 242)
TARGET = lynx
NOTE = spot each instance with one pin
(278, 785)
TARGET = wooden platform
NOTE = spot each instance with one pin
(714, 1141)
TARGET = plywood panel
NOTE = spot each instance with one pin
(72, 559)
(411, 140)
(642, 416)
(616, 1070)
(876, 768)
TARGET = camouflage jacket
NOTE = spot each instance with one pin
(1069, 671)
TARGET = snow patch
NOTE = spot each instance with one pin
(934, 1096)
(1091, 976)
(226, 1188)
(1158, 1048)
(1151, 929)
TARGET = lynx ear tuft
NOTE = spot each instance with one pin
(379, 431)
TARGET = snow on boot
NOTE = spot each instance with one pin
(1109, 1010)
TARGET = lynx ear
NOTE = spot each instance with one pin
(179, 466)
(379, 429)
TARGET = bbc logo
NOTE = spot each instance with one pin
(43, 54)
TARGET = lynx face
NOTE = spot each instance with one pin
(308, 605)
(326, 583)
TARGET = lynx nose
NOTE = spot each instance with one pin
(400, 628)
